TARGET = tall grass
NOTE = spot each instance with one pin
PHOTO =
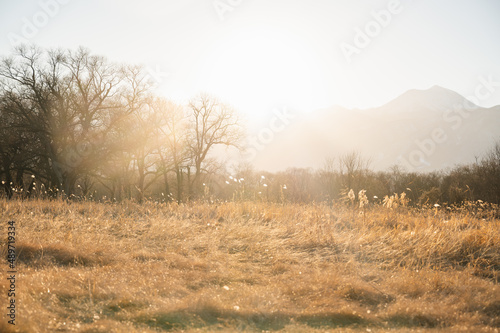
(93, 267)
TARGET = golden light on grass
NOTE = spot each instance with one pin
(91, 267)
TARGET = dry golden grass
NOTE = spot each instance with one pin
(90, 267)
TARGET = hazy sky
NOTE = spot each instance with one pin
(259, 54)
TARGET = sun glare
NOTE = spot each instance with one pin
(272, 65)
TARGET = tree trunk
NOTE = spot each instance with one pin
(8, 183)
(167, 186)
(178, 172)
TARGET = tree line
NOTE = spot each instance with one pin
(73, 120)
(75, 125)
(478, 181)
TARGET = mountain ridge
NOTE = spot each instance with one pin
(421, 130)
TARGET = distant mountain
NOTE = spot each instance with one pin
(421, 130)
(435, 98)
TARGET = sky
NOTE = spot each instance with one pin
(259, 55)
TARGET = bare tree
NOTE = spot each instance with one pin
(211, 123)
(489, 171)
(33, 90)
(18, 150)
(172, 139)
(351, 167)
(71, 102)
(329, 177)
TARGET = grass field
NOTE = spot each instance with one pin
(92, 267)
